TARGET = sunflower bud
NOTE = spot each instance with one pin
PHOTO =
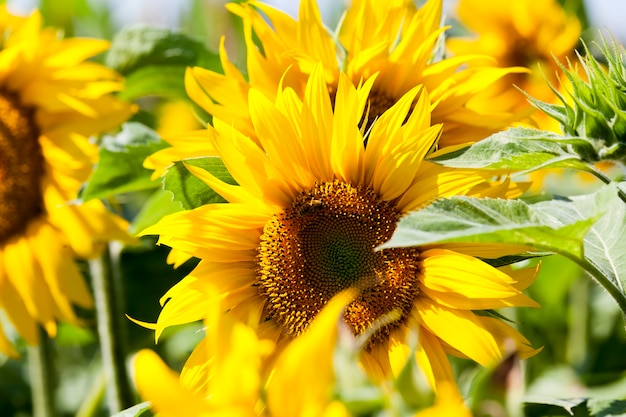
(595, 108)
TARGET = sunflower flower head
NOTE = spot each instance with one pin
(594, 109)
(521, 33)
(311, 206)
(393, 39)
(224, 374)
(51, 99)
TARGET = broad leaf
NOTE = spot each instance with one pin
(517, 149)
(142, 46)
(606, 407)
(473, 220)
(157, 206)
(188, 189)
(589, 229)
(154, 60)
(605, 244)
(539, 406)
(164, 81)
(120, 166)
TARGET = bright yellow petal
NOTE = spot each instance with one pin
(464, 282)
(156, 382)
(461, 329)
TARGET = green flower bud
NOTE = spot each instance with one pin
(596, 108)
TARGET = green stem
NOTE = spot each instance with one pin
(111, 330)
(605, 282)
(90, 405)
(42, 376)
(600, 175)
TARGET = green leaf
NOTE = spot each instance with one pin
(606, 407)
(605, 244)
(517, 149)
(473, 220)
(512, 259)
(120, 166)
(158, 205)
(188, 189)
(164, 80)
(589, 229)
(539, 406)
(142, 46)
(139, 410)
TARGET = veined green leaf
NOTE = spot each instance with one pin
(605, 244)
(589, 229)
(120, 166)
(473, 220)
(517, 149)
(188, 189)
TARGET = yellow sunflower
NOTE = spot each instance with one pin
(224, 374)
(224, 377)
(51, 99)
(312, 205)
(521, 33)
(390, 38)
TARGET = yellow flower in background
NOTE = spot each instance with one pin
(224, 376)
(51, 99)
(391, 38)
(175, 117)
(521, 33)
(311, 207)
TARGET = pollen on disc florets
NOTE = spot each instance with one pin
(21, 167)
(325, 243)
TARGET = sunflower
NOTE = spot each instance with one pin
(390, 38)
(224, 376)
(313, 204)
(51, 99)
(536, 35)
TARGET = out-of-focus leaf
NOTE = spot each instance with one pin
(154, 60)
(139, 410)
(70, 335)
(188, 189)
(158, 205)
(517, 149)
(141, 46)
(120, 166)
(606, 408)
(164, 80)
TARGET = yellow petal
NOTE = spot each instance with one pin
(464, 282)
(159, 384)
(461, 329)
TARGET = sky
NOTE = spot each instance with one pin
(603, 14)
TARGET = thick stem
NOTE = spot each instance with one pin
(111, 330)
(605, 282)
(600, 175)
(42, 376)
